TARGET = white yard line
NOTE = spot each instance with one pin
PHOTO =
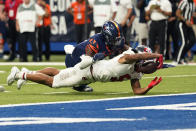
(32, 63)
(56, 93)
(116, 93)
(1, 72)
(193, 129)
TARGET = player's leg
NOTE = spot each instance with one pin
(49, 71)
(39, 78)
(28, 75)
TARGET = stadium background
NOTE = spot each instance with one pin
(63, 26)
(178, 80)
(62, 33)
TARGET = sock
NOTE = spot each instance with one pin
(21, 75)
(32, 72)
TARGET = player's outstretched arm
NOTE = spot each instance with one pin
(131, 58)
(136, 87)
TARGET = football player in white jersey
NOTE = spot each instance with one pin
(126, 66)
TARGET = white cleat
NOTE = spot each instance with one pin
(21, 82)
(11, 77)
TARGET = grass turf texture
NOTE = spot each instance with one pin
(33, 93)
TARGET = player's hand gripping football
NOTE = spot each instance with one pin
(98, 56)
(160, 61)
(154, 82)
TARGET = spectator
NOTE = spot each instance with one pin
(29, 15)
(184, 13)
(131, 35)
(172, 31)
(190, 53)
(39, 34)
(124, 9)
(136, 20)
(102, 11)
(78, 9)
(44, 31)
(158, 11)
(3, 28)
(143, 26)
(11, 9)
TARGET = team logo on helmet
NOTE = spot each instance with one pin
(107, 29)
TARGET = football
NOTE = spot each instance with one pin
(2, 89)
(149, 67)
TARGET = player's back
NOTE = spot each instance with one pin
(105, 70)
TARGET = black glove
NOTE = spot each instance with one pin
(98, 56)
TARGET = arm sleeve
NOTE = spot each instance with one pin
(91, 2)
(167, 7)
(148, 7)
(182, 5)
(129, 5)
(114, 6)
(17, 13)
(39, 10)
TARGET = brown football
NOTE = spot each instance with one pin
(149, 67)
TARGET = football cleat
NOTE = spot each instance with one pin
(21, 82)
(12, 75)
(83, 88)
(168, 65)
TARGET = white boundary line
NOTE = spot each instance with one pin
(94, 100)
(32, 63)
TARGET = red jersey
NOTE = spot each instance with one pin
(11, 7)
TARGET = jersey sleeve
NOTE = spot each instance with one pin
(92, 47)
(136, 75)
(182, 5)
(39, 10)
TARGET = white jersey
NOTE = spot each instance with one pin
(104, 71)
(112, 70)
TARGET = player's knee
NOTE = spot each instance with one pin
(49, 82)
(53, 71)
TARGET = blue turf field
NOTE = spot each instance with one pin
(124, 114)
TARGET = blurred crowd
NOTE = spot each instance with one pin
(25, 21)
(166, 26)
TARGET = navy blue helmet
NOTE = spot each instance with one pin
(113, 34)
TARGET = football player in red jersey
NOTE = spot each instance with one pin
(103, 44)
(130, 65)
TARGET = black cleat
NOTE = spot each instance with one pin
(83, 88)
